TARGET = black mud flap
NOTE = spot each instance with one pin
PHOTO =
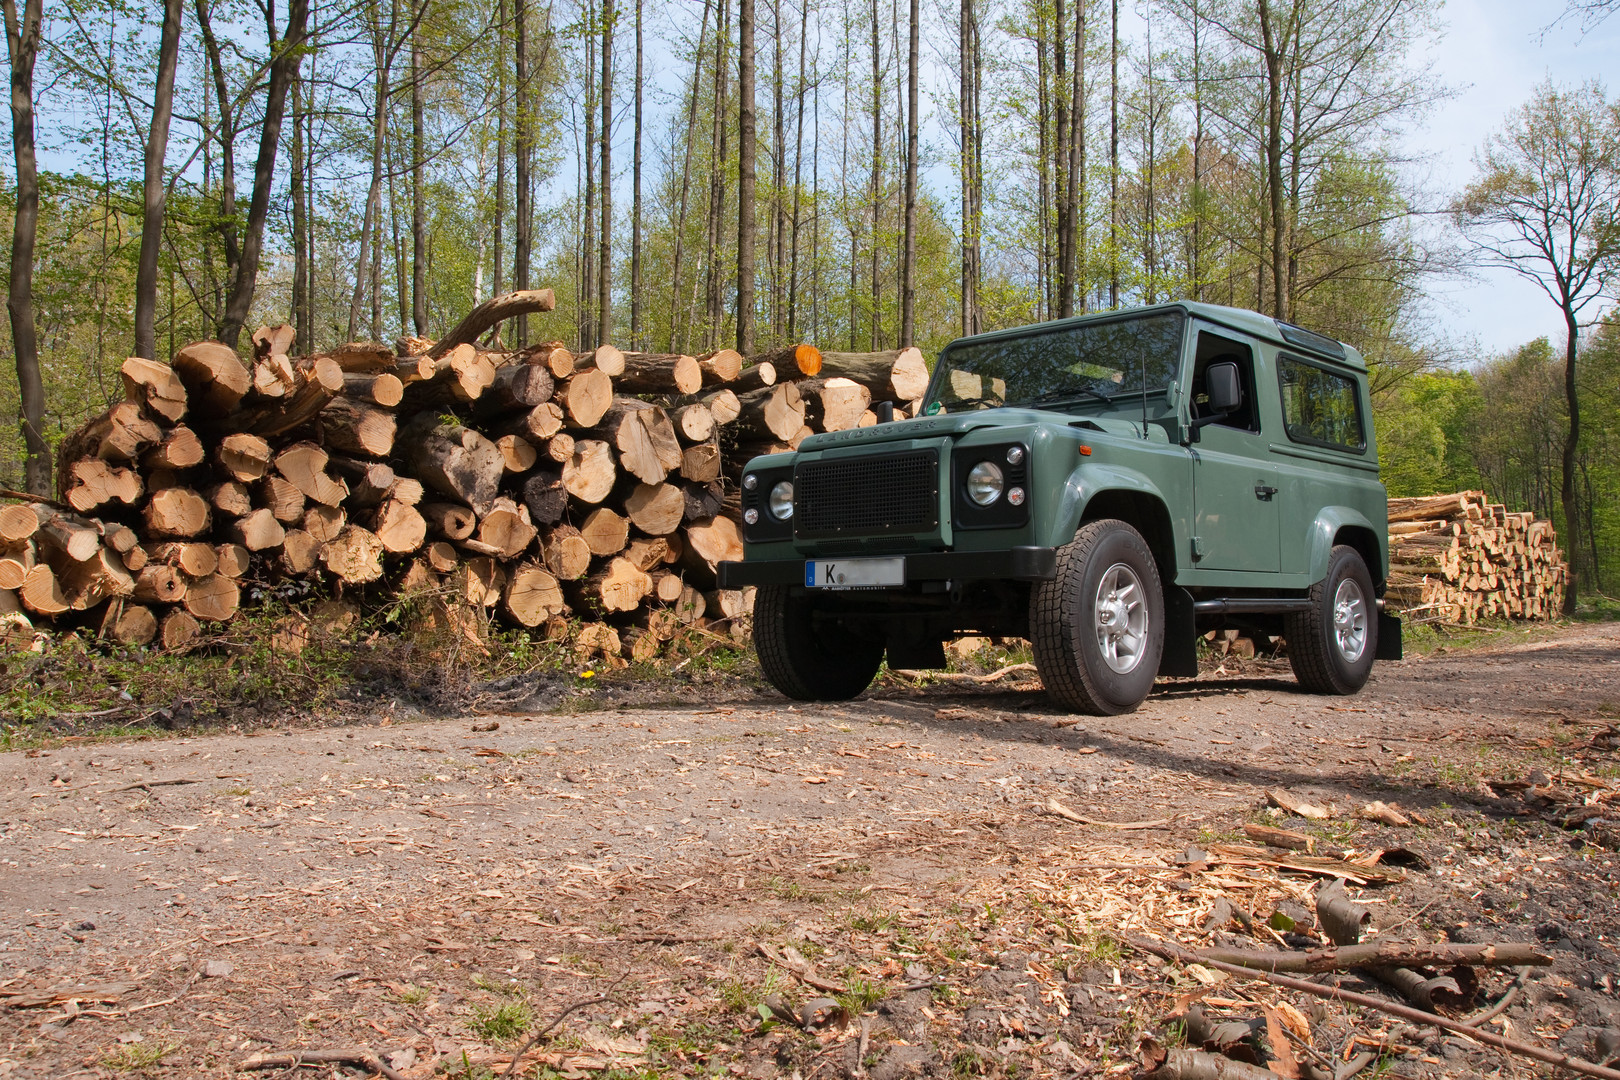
(1180, 657)
(1389, 637)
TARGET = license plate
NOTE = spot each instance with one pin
(854, 573)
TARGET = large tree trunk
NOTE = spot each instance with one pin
(1273, 42)
(908, 271)
(745, 176)
(1572, 439)
(418, 196)
(301, 298)
(22, 44)
(155, 191)
(523, 148)
(604, 281)
(289, 50)
(635, 203)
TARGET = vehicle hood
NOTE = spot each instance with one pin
(947, 425)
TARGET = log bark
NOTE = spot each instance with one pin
(545, 496)
(258, 531)
(585, 397)
(655, 509)
(369, 481)
(245, 457)
(792, 361)
(553, 356)
(355, 556)
(605, 532)
(701, 501)
(753, 378)
(98, 578)
(384, 389)
(590, 473)
(720, 367)
(453, 460)
(176, 512)
(356, 428)
(448, 520)
(156, 386)
(897, 375)
(119, 434)
(365, 358)
(1384, 954)
(214, 378)
(776, 412)
(660, 373)
(193, 559)
(277, 416)
(490, 313)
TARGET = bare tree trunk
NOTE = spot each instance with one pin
(877, 171)
(1043, 183)
(778, 178)
(967, 54)
(746, 138)
(225, 100)
(523, 147)
(798, 177)
(717, 182)
(604, 281)
(22, 45)
(418, 196)
(288, 53)
(300, 226)
(908, 273)
(635, 203)
(1195, 261)
(1572, 439)
(1076, 192)
(1113, 158)
(587, 232)
(499, 238)
(155, 191)
(686, 186)
(1273, 45)
(371, 220)
(402, 283)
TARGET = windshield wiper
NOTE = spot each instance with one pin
(993, 402)
(1068, 393)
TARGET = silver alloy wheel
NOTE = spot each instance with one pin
(1350, 621)
(1121, 617)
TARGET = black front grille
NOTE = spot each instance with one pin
(864, 496)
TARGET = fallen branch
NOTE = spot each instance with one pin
(155, 783)
(1057, 808)
(1171, 951)
(912, 673)
(790, 959)
(1382, 954)
(292, 1059)
(492, 311)
(575, 1007)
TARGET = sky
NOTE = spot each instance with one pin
(1493, 53)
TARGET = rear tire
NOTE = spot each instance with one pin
(1331, 646)
(803, 661)
(1098, 626)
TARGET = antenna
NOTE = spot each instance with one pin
(1144, 390)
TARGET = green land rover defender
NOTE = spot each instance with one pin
(1109, 487)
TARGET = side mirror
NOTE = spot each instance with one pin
(1224, 386)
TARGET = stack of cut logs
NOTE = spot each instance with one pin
(1459, 558)
(589, 494)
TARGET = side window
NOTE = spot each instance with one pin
(1215, 349)
(1320, 406)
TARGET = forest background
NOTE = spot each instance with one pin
(859, 174)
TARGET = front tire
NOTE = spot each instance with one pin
(1331, 646)
(1098, 626)
(804, 661)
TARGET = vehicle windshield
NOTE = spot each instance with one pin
(1089, 364)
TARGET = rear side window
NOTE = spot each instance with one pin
(1320, 407)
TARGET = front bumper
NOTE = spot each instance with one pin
(1016, 564)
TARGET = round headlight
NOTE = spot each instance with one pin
(984, 483)
(781, 500)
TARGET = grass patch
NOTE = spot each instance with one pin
(138, 1057)
(501, 1023)
(861, 996)
(411, 995)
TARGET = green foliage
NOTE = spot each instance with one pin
(505, 1022)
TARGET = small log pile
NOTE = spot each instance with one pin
(579, 494)
(1458, 558)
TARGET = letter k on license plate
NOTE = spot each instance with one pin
(854, 573)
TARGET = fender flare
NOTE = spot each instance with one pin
(1085, 483)
(1330, 520)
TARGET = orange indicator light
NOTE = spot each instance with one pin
(1085, 451)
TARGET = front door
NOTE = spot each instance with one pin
(1234, 481)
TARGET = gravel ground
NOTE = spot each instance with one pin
(434, 890)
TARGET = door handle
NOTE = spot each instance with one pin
(1264, 493)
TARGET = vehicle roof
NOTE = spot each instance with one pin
(1241, 319)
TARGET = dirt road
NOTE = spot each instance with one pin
(433, 890)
